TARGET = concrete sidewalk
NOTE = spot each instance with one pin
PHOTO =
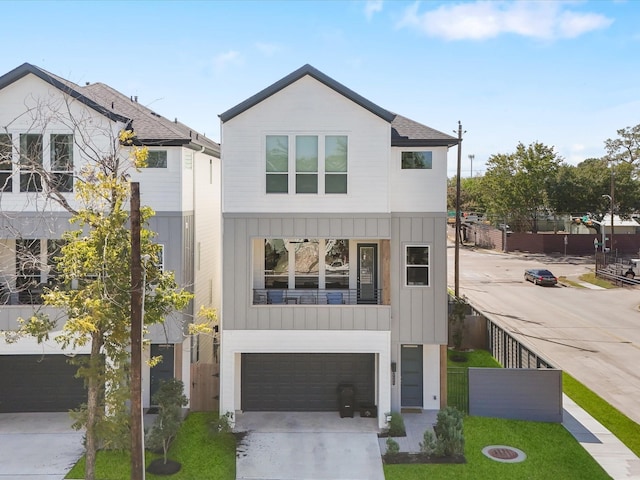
(614, 457)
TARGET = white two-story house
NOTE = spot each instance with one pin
(60, 126)
(334, 252)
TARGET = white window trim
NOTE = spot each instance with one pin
(406, 265)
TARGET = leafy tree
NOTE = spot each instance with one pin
(517, 185)
(625, 148)
(471, 198)
(94, 291)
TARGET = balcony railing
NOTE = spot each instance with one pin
(271, 296)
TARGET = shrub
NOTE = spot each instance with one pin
(396, 425)
(392, 446)
(222, 424)
(449, 432)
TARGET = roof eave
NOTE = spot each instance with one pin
(424, 143)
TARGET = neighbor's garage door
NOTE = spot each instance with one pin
(304, 381)
(39, 383)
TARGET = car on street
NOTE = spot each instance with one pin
(540, 276)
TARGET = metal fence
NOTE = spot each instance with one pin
(458, 388)
(509, 352)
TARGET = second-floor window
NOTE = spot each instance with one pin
(62, 162)
(30, 162)
(417, 265)
(316, 163)
(6, 164)
(157, 159)
(416, 160)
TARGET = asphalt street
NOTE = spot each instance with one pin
(593, 334)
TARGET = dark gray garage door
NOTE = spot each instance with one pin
(39, 383)
(304, 381)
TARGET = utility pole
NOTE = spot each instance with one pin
(137, 443)
(471, 157)
(612, 203)
(457, 249)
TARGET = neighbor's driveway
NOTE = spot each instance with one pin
(307, 446)
(37, 446)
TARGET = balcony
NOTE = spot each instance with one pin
(283, 297)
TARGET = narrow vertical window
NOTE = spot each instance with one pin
(30, 162)
(276, 263)
(307, 262)
(277, 158)
(336, 263)
(6, 165)
(306, 164)
(335, 164)
(417, 265)
(62, 162)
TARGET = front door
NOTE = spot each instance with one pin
(411, 376)
(367, 273)
(162, 371)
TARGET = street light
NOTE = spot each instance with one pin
(611, 234)
(471, 157)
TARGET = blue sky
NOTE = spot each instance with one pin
(566, 74)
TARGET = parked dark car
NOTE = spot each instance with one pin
(540, 276)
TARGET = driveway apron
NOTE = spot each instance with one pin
(37, 446)
(307, 446)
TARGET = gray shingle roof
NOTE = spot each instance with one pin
(150, 128)
(404, 132)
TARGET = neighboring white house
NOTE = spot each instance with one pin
(56, 121)
(334, 239)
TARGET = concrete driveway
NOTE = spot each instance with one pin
(307, 446)
(37, 446)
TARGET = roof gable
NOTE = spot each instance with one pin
(294, 77)
(149, 127)
(61, 84)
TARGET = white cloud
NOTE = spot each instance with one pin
(222, 60)
(481, 20)
(268, 49)
(371, 7)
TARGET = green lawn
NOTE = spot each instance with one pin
(551, 453)
(203, 455)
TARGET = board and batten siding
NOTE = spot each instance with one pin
(419, 313)
(238, 311)
(287, 112)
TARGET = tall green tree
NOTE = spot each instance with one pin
(517, 186)
(626, 147)
(94, 292)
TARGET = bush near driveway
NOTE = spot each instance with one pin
(203, 456)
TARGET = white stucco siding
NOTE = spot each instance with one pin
(305, 107)
(235, 342)
(416, 190)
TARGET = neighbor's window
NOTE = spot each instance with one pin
(416, 160)
(306, 164)
(276, 263)
(277, 156)
(335, 164)
(6, 166)
(417, 265)
(336, 263)
(62, 162)
(28, 268)
(54, 254)
(157, 159)
(30, 162)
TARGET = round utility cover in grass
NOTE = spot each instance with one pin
(505, 454)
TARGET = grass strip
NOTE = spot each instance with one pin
(203, 456)
(627, 431)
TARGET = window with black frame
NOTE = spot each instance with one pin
(417, 265)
